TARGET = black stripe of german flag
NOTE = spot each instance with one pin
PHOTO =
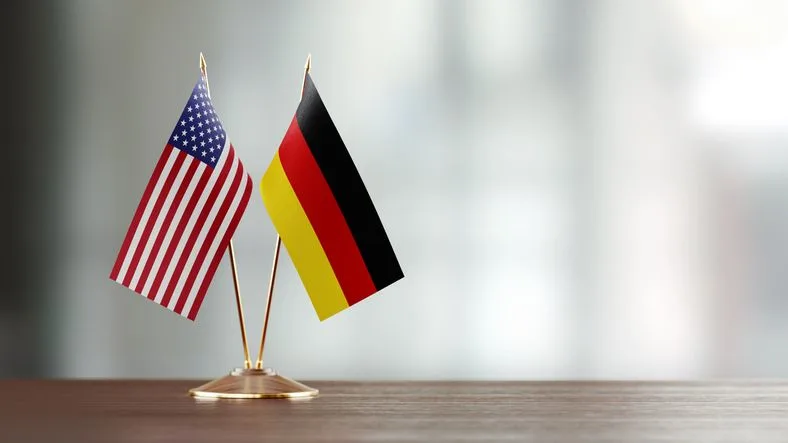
(324, 214)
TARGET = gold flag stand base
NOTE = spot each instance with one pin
(253, 383)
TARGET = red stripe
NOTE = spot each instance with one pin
(187, 180)
(222, 247)
(321, 208)
(138, 214)
(195, 231)
(154, 215)
(210, 237)
(179, 230)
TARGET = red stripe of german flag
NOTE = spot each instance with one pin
(324, 214)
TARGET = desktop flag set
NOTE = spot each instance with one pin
(188, 213)
(194, 201)
(324, 214)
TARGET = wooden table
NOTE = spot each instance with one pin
(161, 411)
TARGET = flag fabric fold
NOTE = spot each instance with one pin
(188, 212)
(320, 206)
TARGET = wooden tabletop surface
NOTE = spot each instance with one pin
(162, 411)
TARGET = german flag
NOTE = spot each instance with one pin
(324, 214)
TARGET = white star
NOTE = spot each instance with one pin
(183, 122)
(185, 143)
(210, 139)
(189, 109)
(213, 159)
(191, 119)
(192, 128)
(183, 132)
(211, 149)
(194, 137)
(219, 147)
(209, 130)
(204, 153)
(194, 148)
(175, 137)
(214, 128)
(195, 96)
(199, 115)
(202, 133)
(199, 124)
(202, 144)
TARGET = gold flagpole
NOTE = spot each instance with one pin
(236, 285)
(259, 363)
(277, 248)
(257, 382)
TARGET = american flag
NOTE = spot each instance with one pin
(188, 212)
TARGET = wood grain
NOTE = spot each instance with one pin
(162, 411)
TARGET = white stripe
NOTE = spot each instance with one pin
(212, 250)
(145, 215)
(187, 232)
(221, 196)
(165, 207)
(176, 219)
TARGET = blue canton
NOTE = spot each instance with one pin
(199, 132)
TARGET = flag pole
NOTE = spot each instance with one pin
(251, 382)
(277, 248)
(236, 285)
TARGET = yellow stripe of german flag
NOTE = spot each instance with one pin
(302, 244)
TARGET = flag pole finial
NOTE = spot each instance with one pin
(231, 251)
(277, 248)
(203, 66)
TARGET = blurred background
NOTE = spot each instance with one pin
(575, 189)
